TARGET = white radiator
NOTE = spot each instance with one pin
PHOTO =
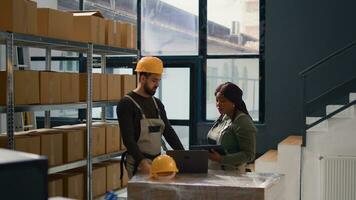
(338, 178)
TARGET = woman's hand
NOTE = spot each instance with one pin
(214, 156)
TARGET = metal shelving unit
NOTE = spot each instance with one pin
(82, 163)
(15, 39)
(28, 108)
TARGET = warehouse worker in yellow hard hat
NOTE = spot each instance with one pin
(143, 119)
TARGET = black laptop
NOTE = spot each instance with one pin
(190, 161)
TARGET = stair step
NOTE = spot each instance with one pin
(292, 140)
(348, 113)
(352, 97)
(323, 126)
(269, 156)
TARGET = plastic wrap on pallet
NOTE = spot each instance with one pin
(214, 185)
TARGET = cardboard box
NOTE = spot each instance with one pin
(134, 37)
(112, 138)
(99, 180)
(100, 84)
(23, 142)
(110, 32)
(89, 27)
(114, 86)
(113, 181)
(74, 145)
(31, 17)
(51, 145)
(128, 83)
(50, 87)
(55, 186)
(113, 35)
(127, 34)
(13, 16)
(69, 87)
(98, 136)
(55, 24)
(73, 184)
(26, 87)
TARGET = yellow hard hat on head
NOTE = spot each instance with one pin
(163, 166)
(150, 65)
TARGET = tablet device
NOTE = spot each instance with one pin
(218, 148)
(190, 161)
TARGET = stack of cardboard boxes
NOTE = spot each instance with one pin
(35, 87)
(72, 184)
(23, 16)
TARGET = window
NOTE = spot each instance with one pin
(242, 72)
(175, 99)
(233, 27)
(169, 27)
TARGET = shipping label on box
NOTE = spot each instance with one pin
(50, 87)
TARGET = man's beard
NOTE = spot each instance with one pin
(148, 90)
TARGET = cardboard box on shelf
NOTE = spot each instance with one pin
(31, 17)
(100, 85)
(134, 37)
(51, 145)
(23, 142)
(127, 32)
(89, 26)
(128, 83)
(55, 186)
(73, 184)
(55, 24)
(113, 181)
(50, 87)
(114, 86)
(19, 16)
(26, 87)
(99, 180)
(118, 33)
(112, 138)
(74, 145)
(98, 136)
(109, 32)
(69, 87)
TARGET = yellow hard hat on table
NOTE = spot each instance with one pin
(150, 64)
(163, 166)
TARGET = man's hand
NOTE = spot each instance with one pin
(145, 166)
(215, 156)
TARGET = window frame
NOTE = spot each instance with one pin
(203, 52)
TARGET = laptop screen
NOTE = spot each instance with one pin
(190, 161)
